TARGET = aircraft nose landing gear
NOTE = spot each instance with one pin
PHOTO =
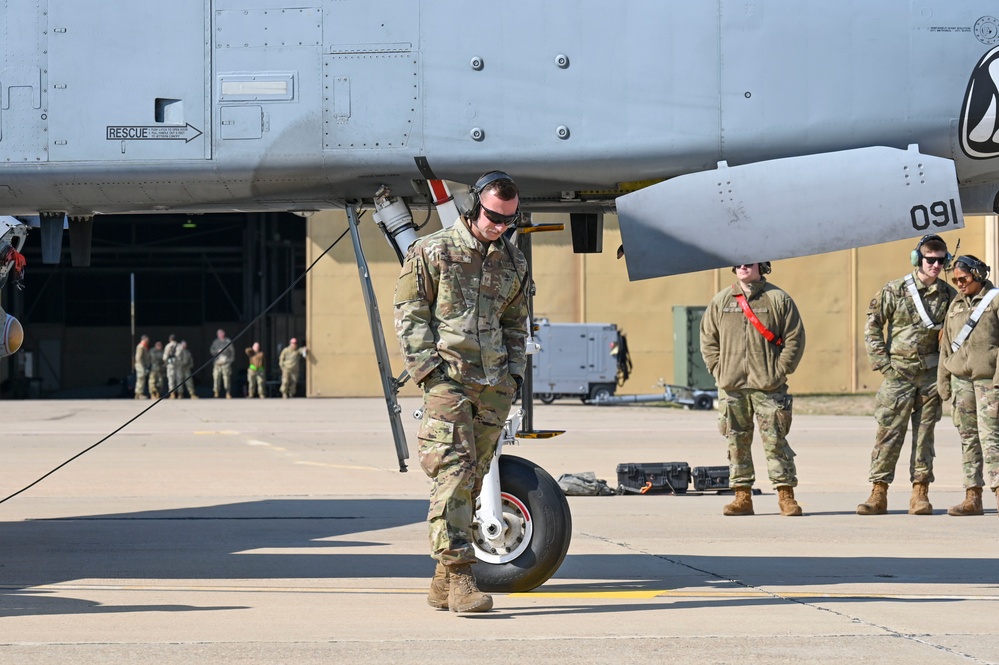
(522, 526)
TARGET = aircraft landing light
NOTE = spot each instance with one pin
(540, 434)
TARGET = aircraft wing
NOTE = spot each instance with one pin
(785, 208)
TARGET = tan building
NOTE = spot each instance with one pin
(831, 290)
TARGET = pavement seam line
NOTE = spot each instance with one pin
(886, 629)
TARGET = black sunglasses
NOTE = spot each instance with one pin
(935, 259)
(505, 220)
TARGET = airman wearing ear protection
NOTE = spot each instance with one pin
(902, 339)
(968, 368)
(461, 319)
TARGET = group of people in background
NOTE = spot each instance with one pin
(931, 343)
(171, 367)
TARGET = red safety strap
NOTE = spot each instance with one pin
(766, 332)
(440, 191)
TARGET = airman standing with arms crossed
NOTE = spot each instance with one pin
(752, 339)
(968, 366)
(461, 318)
(902, 338)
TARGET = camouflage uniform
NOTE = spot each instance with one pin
(255, 374)
(461, 319)
(183, 367)
(973, 374)
(222, 369)
(170, 358)
(908, 358)
(753, 374)
(290, 362)
(157, 367)
(141, 368)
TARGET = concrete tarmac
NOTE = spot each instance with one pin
(281, 531)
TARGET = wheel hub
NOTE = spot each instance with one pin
(514, 537)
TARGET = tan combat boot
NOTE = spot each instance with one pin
(463, 594)
(785, 499)
(437, 598)
(742, 504)
(997, 499)
(972, 504)
(877, 502)
(919, 504)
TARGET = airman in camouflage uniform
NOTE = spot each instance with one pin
(170, 358)
(291, 363)
(752, 371)
(224, 354)
(461, 318)
(971, 372)
(256, 375)
(157, 368)
(907, 354)
(184, 368)
(141, 366)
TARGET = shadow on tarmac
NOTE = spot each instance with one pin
(222, 542)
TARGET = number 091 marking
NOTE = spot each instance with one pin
(940, 213)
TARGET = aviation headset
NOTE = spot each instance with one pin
(473, 204)
(973, 266)
(916, 256)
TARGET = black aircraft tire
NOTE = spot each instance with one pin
(547, 398)
(552, 523)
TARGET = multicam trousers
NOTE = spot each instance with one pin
(461, 425)
(141, 373)
(289, 382)
(221, 378)
(255, 382)
(976, 415)
(735, 422)
(899, 401)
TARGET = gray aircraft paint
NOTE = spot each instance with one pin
(255, 105)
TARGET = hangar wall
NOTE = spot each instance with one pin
(832, 291)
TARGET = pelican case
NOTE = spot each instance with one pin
(710, 478)
(653, 478)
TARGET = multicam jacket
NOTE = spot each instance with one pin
(227, 356)
(909, 346)
(142, 355)
(290, 358)
(461, 305)
(976, 359)
(737, 354)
